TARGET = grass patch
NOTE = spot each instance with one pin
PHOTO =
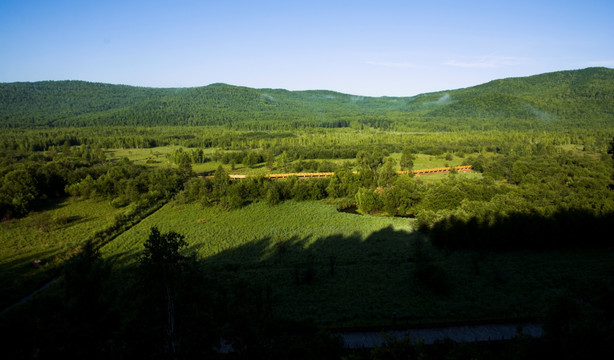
(342, 269)
(424, 161)
(211, 231)
(154, 157)
(36, 245)
(432, 178)
(159, 157)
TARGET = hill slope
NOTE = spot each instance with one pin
(582, 98)
(566, 94)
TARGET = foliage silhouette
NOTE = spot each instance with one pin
(574, 228)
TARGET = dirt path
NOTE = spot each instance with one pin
(30, 296)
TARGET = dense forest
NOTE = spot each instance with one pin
(116, 200)
(568, 99)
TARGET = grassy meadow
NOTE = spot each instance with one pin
(211, 231)
(48, 237)
(342, 269)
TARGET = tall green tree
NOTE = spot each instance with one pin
(407, 159)
(221, 181)
(270, 159)
(17, 191)
(162, 255)
(387, 172)
(162, 262)
(250, 160)
(366, 200)
(283, 160)
(370, 160)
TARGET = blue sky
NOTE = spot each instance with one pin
(394, 48)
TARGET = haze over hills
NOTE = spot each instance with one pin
(566, 99)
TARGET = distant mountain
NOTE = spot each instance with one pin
(571, 95)
(568, 99)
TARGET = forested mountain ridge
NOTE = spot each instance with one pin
(578, 98)
(565, 94)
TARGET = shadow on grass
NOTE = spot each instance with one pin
(328, 269)
(574, 228)
(245, 295)
(386, 246)
(50, 204)
(22, 275)
(399, 276)
(339, 280)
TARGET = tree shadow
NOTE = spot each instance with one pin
(19, 260)
(62, 222)
(329, 280)
(24, 274)
(41, 205)
(125, 258)
(573, 228)
(395, 278)
(372, 273)
(384, 246)
(336, 281)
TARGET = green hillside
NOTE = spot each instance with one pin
(567, 95)
(579, 98)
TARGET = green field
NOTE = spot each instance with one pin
(155, 157)
(211, 231)
(290, 247)
(49, 235)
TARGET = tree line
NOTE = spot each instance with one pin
(28, 179)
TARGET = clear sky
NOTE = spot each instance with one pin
(381, 47)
